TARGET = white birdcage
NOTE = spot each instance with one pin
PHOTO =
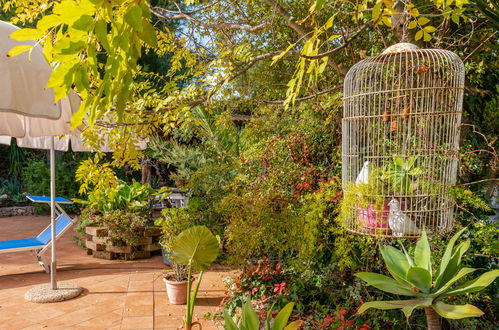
(400, 126)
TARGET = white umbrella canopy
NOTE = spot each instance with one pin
(23, 96)
(27, 108)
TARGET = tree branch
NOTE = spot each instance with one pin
(340, 47)
(164, 14)
(305, 97)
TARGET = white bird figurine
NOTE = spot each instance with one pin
(399, 223)
(363, 176)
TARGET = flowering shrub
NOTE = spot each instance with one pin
(263, 284)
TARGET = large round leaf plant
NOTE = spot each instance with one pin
(413, 277)
(196, 248)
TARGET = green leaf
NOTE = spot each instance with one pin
(27, 34)
(420, 277)
(196, 246)
(423, 20)
(454, 263)
(101, 34)
(463, 272)
(281, 319)
(390, 304)
(456, 311)
(84, 23)
(385, 283)
(418, 303)
(447, 255)
(249, 319)
(134, 17)
(455, 18)
(18, 50)
(422, 252)
(474, 285)
(396, 263)
(293, 325)
(148, 33)
(281, 55)
(407, 256)
(47, 22)
(229, 323)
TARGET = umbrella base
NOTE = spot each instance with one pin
(44, 293)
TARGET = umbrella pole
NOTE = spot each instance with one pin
(53, 269)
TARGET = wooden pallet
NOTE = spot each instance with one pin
(100, 246)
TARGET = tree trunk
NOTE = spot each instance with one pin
(433, 320)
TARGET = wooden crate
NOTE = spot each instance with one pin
(99, 244)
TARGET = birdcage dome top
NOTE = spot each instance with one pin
(400, 47)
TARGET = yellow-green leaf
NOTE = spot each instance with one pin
(430, 29)
(18, 50)
(426, 36)
(134, 17)
(418, 35)
(47, 22)
(27, 34)
(386, 20)
(423, 20)
(455, 18)
(377, 10)
(456, 311)
(412, 25)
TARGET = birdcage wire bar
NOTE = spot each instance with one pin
(400, 140)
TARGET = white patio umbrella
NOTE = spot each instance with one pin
(28, 108)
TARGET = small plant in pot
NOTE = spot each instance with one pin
(196, 248)
(173, 222)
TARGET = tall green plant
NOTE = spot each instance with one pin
(413, 277)
(251, 321)
(196, 248)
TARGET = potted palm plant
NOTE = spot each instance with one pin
(173, 222)
(196, 248)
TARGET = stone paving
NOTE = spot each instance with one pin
(117, 294)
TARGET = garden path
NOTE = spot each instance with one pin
(118, 294)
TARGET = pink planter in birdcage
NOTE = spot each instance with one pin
(369, 217)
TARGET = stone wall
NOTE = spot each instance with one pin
(17, 211)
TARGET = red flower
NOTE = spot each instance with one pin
(255, 290)
(278, 288)
(363, 327)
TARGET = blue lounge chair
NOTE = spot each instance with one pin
(42, 242)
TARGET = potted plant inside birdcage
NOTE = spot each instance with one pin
(365, 196)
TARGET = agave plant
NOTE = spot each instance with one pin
(413, 277)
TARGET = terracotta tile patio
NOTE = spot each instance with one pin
(118, 294)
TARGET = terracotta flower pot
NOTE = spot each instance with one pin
(176, 291)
